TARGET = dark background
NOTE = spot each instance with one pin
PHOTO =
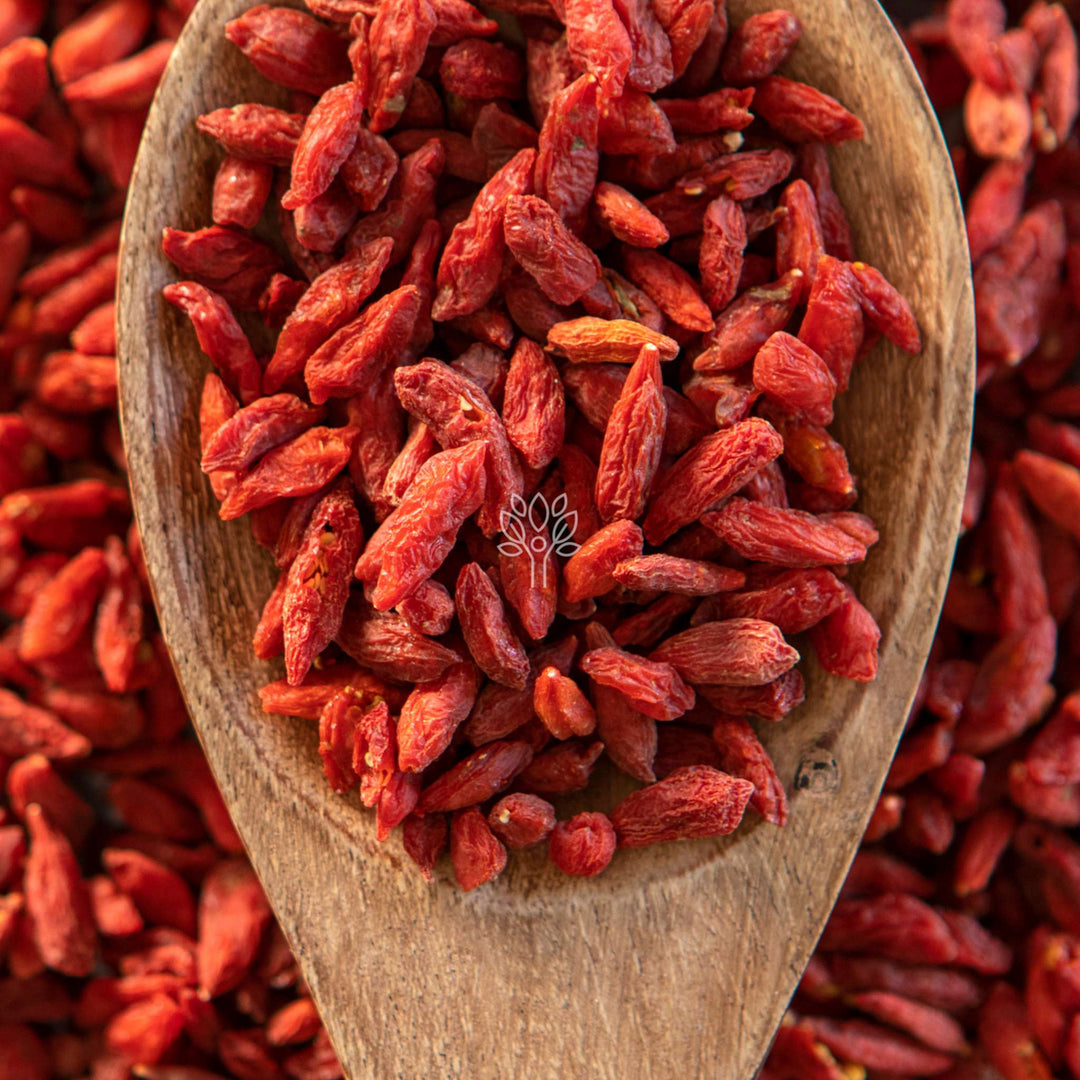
(902, 10)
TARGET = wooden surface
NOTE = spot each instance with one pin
(679, 960)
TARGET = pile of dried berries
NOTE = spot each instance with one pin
(133, 938)
(955, 949)
(132, 929)
(465, 363)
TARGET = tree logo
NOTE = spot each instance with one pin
(535, 529)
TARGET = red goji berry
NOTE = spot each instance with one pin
(431, 715)
(478, 857)
(652, 688)
(693, 802)
(397, 41)
(561, 770)
(582, 846)
(290, 47)
(522, 821)
(557, 260)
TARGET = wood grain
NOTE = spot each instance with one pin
(678, 961)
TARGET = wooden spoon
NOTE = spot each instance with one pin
(679, 960)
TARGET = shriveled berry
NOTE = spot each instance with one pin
(584, 845)
(522, 821)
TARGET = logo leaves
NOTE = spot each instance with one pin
(525, 530)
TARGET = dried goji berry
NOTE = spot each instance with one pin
(693, 802)
(424, 839)
(877, 1046)
(592, 340)
(1005, 1030)
(560, 704)
(484, 70)
(722, 110)
(719, 465)
(492, 643)
(220, 336)
(672, 288)
(431, 715)
(561, 770)
(759, 46)
(534, 405)
(459, 413)
(1010, 688)
(741, 754)
(477, 777)
(290, 47)
(357, 353)
(521, 821)
(472, 259)
(890, 926)
(478, 857)
(633, 441)
(590, 571)
(397, 41)
(64, 607)
(667, 573)
(557, 260)
(802, 113)
(584, 845)
(233, 913)
(782, 537)
(628, 219)
(57, 900)
(723, 244)
(499, 709)
(651, 687)
(886, 308)
(793, 376)
(735, 652)
(746, 324)
(772, 701)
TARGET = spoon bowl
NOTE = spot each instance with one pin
(680, 959)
